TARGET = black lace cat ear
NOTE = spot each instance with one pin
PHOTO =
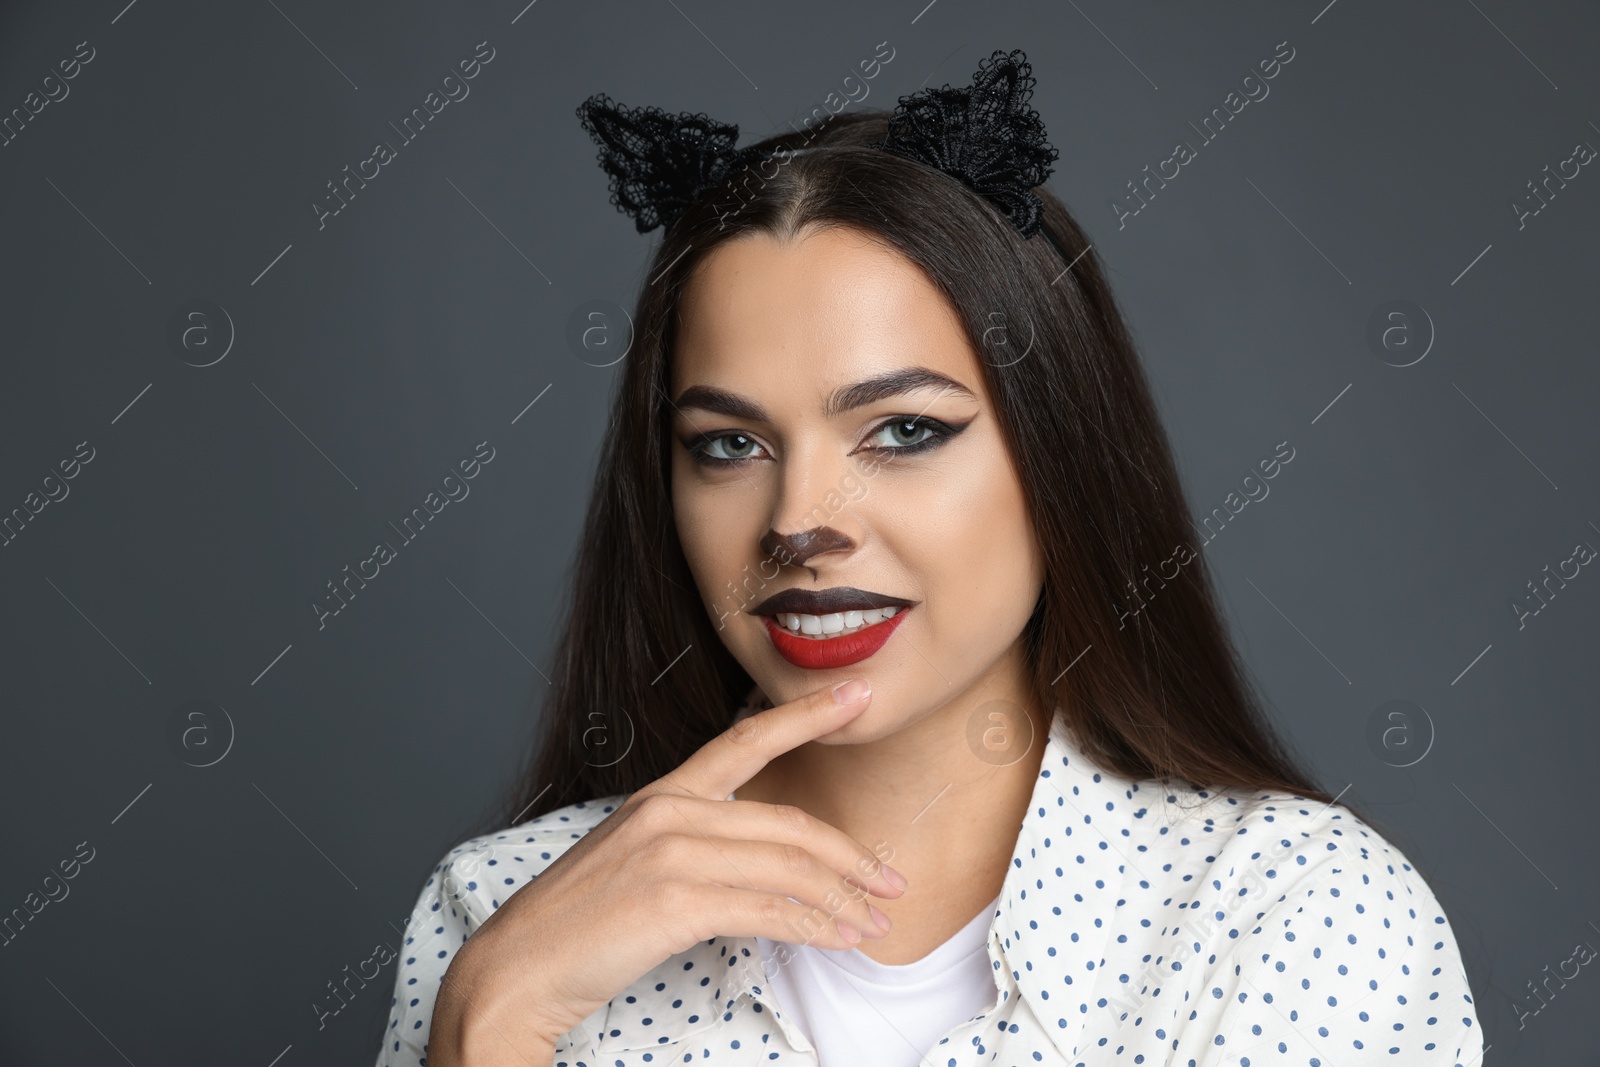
(659, 163)
(984, 134)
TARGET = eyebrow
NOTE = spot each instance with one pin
(845, 398)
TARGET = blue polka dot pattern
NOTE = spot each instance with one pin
(1137, 924)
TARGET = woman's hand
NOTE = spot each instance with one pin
(675, 864)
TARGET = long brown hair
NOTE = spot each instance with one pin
(1156, 690)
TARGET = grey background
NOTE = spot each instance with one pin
(375, 353)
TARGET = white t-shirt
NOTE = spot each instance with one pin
(856, 1010)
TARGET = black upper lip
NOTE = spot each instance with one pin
(839, 598)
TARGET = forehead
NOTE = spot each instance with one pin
(794, 319)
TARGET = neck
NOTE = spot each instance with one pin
(940, 800)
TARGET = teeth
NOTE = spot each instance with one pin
(835, 624)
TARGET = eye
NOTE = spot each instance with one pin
(908, 435)
(719, 448)
(904, 435)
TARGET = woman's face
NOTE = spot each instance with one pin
(810, 479)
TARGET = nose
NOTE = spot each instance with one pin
(797, 548)
(809, 504)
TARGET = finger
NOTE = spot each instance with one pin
(788, 870)
(750, 820)
(733, 757)
(721, 911)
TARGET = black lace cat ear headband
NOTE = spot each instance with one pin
(985, 135)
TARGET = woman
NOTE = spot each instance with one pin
(887, 470)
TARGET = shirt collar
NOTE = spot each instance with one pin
(1074, 836)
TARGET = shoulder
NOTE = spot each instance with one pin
(1280, 840)
(1265, 855)
(481, 873)
(1308, 915)
(467, 885)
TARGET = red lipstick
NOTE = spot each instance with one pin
(824, 653)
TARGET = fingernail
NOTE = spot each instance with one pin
(879, 917)
(894, 877)
(848, 932)
(851, 692)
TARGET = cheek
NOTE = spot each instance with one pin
(691, 513)
(711, 521)
(966, 534)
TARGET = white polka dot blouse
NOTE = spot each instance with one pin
(1137, 924)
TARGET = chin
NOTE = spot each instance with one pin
(870, 725)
